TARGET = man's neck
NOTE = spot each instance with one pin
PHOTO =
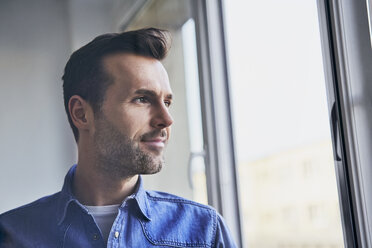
(96, 189)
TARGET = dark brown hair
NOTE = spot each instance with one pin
(84, 73)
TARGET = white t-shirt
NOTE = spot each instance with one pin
(104, 217)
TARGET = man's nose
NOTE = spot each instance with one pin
(162, 118)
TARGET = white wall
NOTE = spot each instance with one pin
(36, 40)
(35, 143)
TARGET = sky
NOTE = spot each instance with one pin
(277, 80)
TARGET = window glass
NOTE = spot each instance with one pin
(288, 189)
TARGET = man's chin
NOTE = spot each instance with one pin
(153, 170)
(152, 163)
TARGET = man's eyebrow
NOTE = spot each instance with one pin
(151, 93)
(145, 92)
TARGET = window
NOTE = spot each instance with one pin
(288, 187)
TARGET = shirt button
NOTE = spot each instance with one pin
(95, 236)
(116, 234)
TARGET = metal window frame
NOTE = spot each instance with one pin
(221, 171)
(354, 209)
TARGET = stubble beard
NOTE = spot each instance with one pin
(118, 156)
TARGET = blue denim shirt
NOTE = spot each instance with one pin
(145, 219)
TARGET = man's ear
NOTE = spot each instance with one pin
(81, 112)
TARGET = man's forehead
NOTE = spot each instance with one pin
(136, 72)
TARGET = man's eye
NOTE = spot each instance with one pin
(167, 103)
(141, 99)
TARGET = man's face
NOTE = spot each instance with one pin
(133, 126)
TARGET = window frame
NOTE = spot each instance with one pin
(221, 170)
(336, 19)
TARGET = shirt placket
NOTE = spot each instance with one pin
(116, 237)
(93, 231)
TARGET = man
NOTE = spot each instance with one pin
(117, 96)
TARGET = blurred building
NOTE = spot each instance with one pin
(291, 200)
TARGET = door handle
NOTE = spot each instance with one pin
(335, 133)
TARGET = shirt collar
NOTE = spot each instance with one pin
(140, 196)
(67, 197)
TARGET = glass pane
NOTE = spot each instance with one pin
(185, 151)
(286, 171)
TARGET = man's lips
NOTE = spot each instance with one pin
(156, 142)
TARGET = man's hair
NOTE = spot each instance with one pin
(85, 74)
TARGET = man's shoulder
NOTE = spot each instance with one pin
(22, 226)
(36, 209)
(176, 218)
(172, 208)
(177, 203)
